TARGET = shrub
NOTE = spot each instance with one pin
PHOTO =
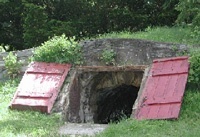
(12, 65)
(108, 56)
(194, 73)
(59, 49)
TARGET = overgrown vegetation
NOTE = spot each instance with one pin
(59, 49)
(27, 23)
(108, 56)
(194, 73)
(12, 65)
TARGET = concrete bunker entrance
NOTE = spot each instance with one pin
(104, 94)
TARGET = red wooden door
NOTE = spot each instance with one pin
(40, 86)
(164, 89)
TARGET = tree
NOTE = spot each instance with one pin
(35, 25)
(28, 23)
(190, 14)
(11, 24)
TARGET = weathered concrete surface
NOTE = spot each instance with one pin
(129, 51)
(62, 101)
(142, 85)
(82, 129)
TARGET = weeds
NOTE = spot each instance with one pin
(12, 65)
(108, 56)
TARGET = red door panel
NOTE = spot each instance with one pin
(40, 86)
(164, 89)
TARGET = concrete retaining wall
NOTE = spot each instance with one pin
(129, 52)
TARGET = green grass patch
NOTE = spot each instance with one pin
(29, 123)
(24, 123)
(160, 34)
(187, 125)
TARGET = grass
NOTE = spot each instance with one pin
(23, 123)
(187, 125)
(28, 123)
(162, 34)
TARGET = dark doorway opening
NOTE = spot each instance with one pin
(114, 104)
(104, 94)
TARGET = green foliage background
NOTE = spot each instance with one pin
(28, 23)
(190, 14)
